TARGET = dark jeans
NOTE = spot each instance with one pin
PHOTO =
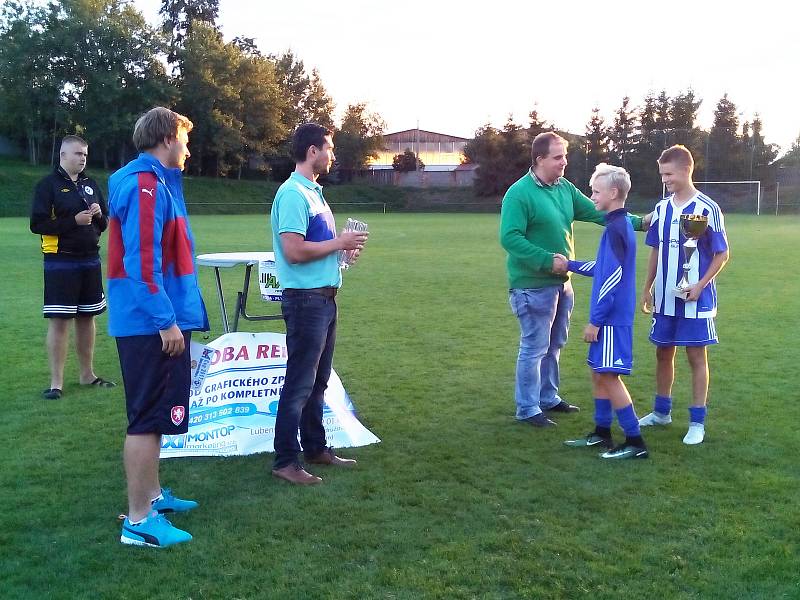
(310, 338)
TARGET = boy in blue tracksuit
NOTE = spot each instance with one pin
(610, 328)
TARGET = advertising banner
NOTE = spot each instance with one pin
(236, 383)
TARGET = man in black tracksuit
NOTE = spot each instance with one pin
(70, 213)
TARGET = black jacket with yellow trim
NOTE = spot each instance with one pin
(56, 201)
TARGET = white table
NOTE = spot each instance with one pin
(226, 260)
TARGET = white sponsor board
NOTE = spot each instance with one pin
(232, 407)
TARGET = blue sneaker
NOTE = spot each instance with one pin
(170, 504)
(155, 531)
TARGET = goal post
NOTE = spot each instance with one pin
(732, 196)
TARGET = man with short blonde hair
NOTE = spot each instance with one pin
(154, 305)
(70, 214)
(156, 125)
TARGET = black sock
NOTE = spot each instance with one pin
(635, 440)
(604, 432)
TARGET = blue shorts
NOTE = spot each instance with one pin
(680, 331)
(156, 384)
(613, 350)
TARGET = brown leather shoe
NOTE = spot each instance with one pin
(328, 457)
(296, 474)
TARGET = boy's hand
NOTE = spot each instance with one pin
(692, 293)
(647, 302)
(590, 333)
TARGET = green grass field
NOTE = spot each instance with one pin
(459, 500)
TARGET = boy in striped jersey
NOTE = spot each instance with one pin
(610, 328)
(682, 318)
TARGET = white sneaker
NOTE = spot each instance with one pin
(695, 435)
(655, 418)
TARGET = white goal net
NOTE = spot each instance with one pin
(732, 196)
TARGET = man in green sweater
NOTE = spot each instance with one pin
(536, 230)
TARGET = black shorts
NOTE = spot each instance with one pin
(156, 384)
(73, 287)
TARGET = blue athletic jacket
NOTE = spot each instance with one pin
(152, 277)
(614, 271)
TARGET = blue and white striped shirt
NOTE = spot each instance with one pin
(665, 234)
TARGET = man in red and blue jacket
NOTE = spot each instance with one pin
(154, 303)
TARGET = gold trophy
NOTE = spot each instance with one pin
(693, 227)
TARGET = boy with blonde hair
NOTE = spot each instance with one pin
(610, 328)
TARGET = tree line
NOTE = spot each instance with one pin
(91, 67)
(634, 139)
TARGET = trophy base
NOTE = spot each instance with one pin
(682, 293)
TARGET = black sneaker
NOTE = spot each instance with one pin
(625, 451)
(539, 420)
(564, 407)
(591, 439)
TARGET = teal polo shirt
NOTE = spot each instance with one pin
(300, 207)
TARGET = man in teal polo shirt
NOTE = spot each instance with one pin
(307, 258)
(536, 230)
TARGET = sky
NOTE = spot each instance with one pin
(452, 67)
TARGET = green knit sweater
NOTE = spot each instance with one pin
(536, 222)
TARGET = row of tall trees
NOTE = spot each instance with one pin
(792, 157)
(79, 66)
(93, 66)
(634, 138)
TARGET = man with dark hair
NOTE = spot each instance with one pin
(536, 231)
(154, 305)
(306, 254)
(69, 212)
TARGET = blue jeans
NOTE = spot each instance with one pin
(543, 315)
(310, 338)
